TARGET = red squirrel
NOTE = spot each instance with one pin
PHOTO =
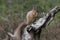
(31, 16)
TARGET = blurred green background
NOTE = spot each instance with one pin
(13, 11)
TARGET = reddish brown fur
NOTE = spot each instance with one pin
(31, 16)
(19, 29)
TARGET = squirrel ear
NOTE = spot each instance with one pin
(35, 7)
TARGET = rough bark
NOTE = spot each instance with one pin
(42, 22)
